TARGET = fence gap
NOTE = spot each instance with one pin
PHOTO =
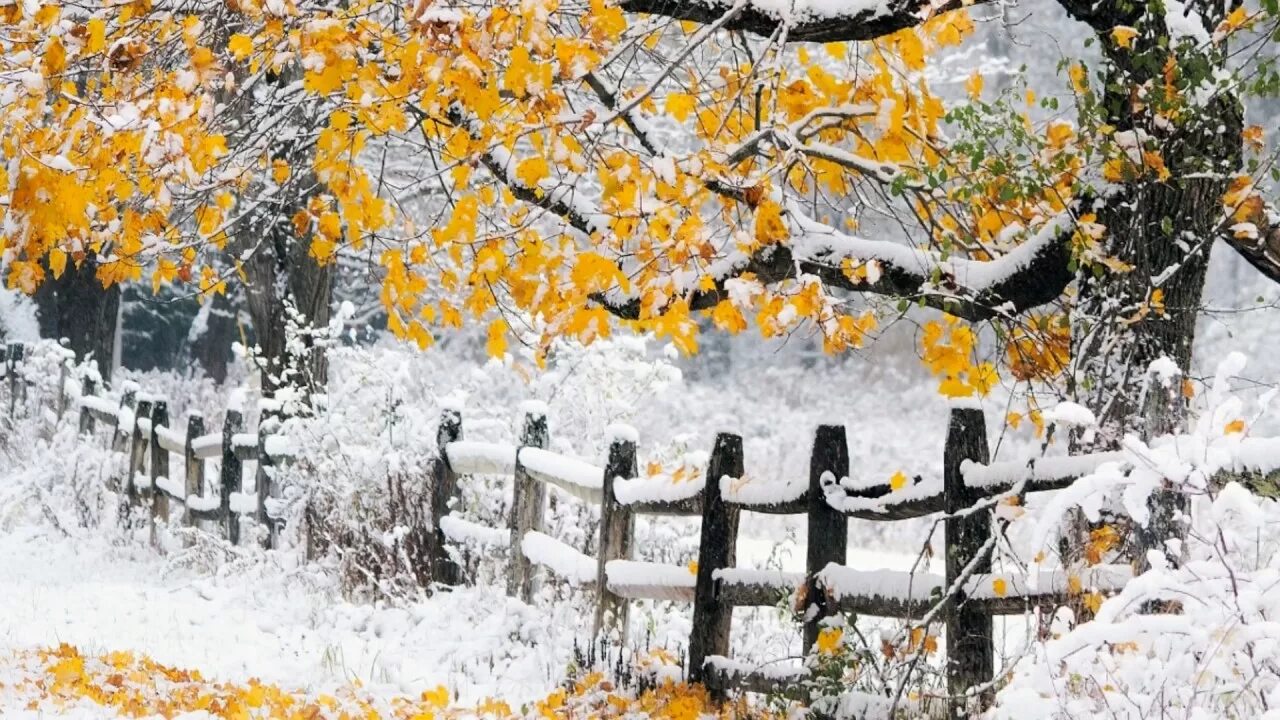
(712, 618)
(617, 534)
(232, 472)
(828, 527)
(193, 467)
(159, 469)
(527, 501)
(444, 491)
(970, 641)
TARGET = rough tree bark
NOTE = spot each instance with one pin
(75, 306)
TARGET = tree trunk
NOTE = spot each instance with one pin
(211, 346)
(77, 307)
(1163, 230)
(288, 287)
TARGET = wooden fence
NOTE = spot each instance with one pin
(964, 599)
(139, 427)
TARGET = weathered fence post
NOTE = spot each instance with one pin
(444, 489)
(970, 640)
(617, 532)
(87, 388)
(13, 362)
(828, 527)
(159, 469)
(137, 453)
(712, 619)
(231, 473)
(527, 500)
(264, 479)
(193, 466)
(1162, 413)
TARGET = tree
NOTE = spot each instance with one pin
(588, 165)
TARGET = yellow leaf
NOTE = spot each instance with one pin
(1123, 36)
(279, 171)
(999, 587)
(97, 35)
(898, 481)
(974, 85)
(496, 345)
(828, 642)
(955, 388)
(693, 567)
(680, 105)
(769, 225)
(240, 46)
(1079, 78)
(1235, 426)
(532, 170)
(57, 261)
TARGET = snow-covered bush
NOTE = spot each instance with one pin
(1196, 635)
(18, 321)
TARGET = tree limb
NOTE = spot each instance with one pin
(864, 22)
(1033, 274)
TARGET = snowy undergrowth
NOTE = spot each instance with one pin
(1195, 636)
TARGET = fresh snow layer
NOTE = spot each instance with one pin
(564, 560)
(468, 457)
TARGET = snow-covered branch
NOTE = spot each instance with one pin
(804, 20)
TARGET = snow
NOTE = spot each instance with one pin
(821, 243)
(780, 672)
(1070, 414)
(579, 478)
(172, 487)
(640, 579)
(278, 446)
(243, 503)
(244, 440)
(656, 488)
(562, 559)
(98, 404)
(1033, 470)
(753, 491)
(201, 503)
(621, 432)
(783, 581)
(468, 457)
(464, 531)
(923, 490)
(206, 443)
(841, 581)
(1184, 23)
(293, 628)
(170, 440)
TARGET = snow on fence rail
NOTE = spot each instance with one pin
(963, 598)
(140, 428)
